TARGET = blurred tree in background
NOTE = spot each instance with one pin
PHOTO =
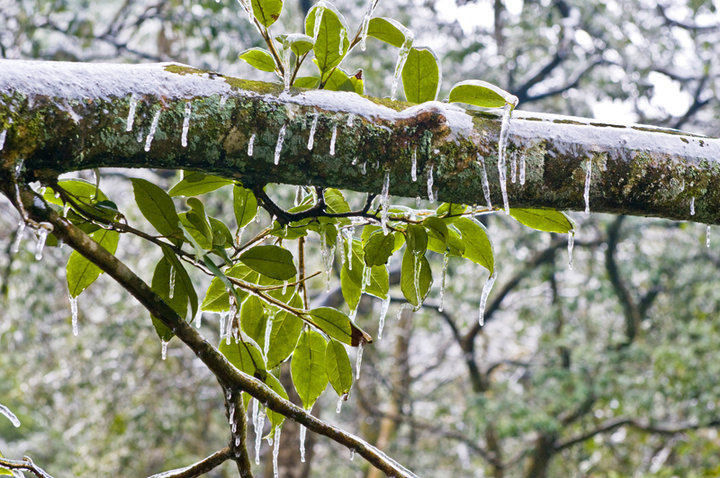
(606, 369)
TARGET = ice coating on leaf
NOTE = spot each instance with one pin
(692, 206)
(358, 360)
(9, 415)
(586, 192)
(18, 237)
(131, 114)
(153, 128)
(430, 182)
(171, 285)
(502, 146)
(413, 165)
(384, 306)
(163, 349)
(74, 314)
(341, 43)
(303, 434)
(275, 452)
(285, 286)
(402, 58)
(3, 133)
(279, 145)
(571, 245)
(186, 125)
(484, 297)
(442, 282)
(385, 202)
(319, 12)
(313, 128)
(42, 234)
(348, 232)
(707, 235)
(287, 75)
(333, 138)
(485, 182)
(251, 145)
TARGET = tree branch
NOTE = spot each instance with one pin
(25, 464)
(201, 467)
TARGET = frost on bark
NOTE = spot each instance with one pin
(60, 117)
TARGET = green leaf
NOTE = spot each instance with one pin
(196, 183)
(82, 190)
(308, 367)
(258, 58)
(389, 31)
(338, 326)
(436, 228)
(197, 228)
(543, 219)
(183, 282)
(415, 277)
(335, 201)
(284, 334)
(478, 247)
(351, 275)
(216, 297)
(272, 261)
(339, 370)
(378, 249)
(156, 206)
(161, 286)
(267, 11)
(220, 233)
(80, 272)
(276, 419)
(421, 75)
(299, 43)
(452, 244)
(481, 93)
(416, 238)
(244, 204)
(332, 30)
(244, 355)
(450, 209)
(339, 80)
(379, 282)
(253, 320)
(306, 82)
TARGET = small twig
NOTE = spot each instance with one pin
(200, 468)
(25, 464)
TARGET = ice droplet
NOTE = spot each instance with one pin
(485, 183)
(186, 125)
(358, 360)
(251, 144)
(402, 58)
(171, 285)
(338, 407)
(303, 434)
(413, 165)
(352, 454)
(484, 297)
(442, 282)
(502, 146)
(164, 346)
(366, 23)
(333, 138)
(571, 244)
(74, 314)
(9, 415)
(430, 181)
(385, 202)
(231, 415)
(3, 133)
(313, 128)
(384, 306)
(707, 236)
(586, 193)
(692, 206)
(237, 441)
(276, 451)
(363, 168)
(153, 128)
(131, 114)
(42, 234)
(18, 237)
(279, 145)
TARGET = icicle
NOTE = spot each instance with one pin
(385, 202)
(251, 144)
(417, 201)
(231, 317)
(338, 407)
(502, 146)
(384, 306)
(692, 206)
(279, 145)
(42, 237)
(171, 285)
(276, 451)
(153, 128)
(223, 317)
(513, 168)
(9, 415)
(163, 345)
(402, 57)
(268, 333)
(237, 441)
(349, 233)
(350, 120)
(352, 454)
(571, 244)
(442, 282)
(430, 180)
(707, 236)
(319, 12)
(313, 128)
(258, 435)
(303, 433)
(333, 138)
(328, 257)
(74, 314)
(363, 168)
(284, 289)
(483, 298)
(231, 417)
(522, 170)
(3, 133)
(186, 125)
(287, 76)
(198, 319)
(586, 193)
(413, 165)
(367, 274)
(366, 23)
(131, 114)
(358, 360)
(18, 237)
(485, 183)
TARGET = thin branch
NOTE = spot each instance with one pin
(200, 468)
(26, 464)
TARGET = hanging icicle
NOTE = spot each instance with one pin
(413, 165)
(18, 237)
(153, 128)
(44, 229)
(186, 125)
(586, 192)
(276, 451)
(131, 115)
(430, 181)
(485, 183)
(333, 138)
(303, 434)
(313, 128)
(279, 145)
(571, 245)
(384, 306)
(251, 145)
(385, 202)
(74, 314)
(402, 58)
(692, 206)
(442, 282)
(164, 347)
(707, 235)
(358, 361)
(502, 147)
(484, 297)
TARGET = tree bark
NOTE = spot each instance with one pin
(60, 117)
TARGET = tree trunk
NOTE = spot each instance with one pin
(61, 117)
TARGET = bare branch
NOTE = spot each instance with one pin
(26, 464)
(200, 468)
